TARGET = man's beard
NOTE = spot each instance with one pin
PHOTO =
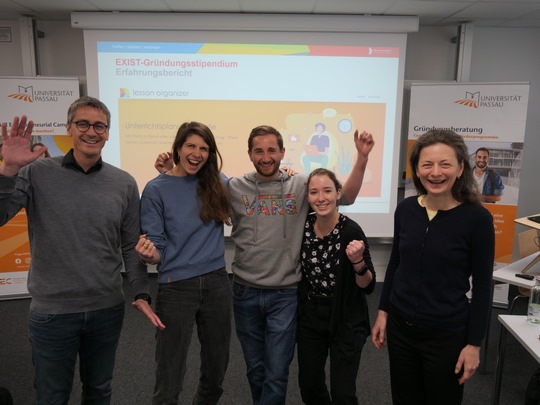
(481, 165)
(267, 171)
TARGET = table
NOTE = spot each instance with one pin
(526, 334)
(527, 222)
(507, 274)
(531, 224)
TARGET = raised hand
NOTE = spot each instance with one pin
(355, 250)
(364, 142)
(16, 152)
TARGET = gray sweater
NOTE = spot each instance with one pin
(268, 219)
(268, 222)
(82, 228)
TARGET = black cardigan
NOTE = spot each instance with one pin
(349, 318)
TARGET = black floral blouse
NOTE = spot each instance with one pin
(320, 257)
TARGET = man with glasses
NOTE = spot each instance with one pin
(83, 223)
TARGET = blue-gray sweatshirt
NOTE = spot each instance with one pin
(170, 219)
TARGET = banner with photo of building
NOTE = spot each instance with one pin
(491, 118)
(45, 101)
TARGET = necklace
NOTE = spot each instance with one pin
(321, 232)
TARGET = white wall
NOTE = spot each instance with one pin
(431, 55)
(61, 51)
(11, 60)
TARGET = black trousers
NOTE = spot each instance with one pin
(314, 345)
(5, 397)
(422, 363)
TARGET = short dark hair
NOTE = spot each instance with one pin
(87, 101)
(320, 124)
(264, 130)
(481, 150)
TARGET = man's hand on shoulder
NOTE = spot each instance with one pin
(164, 162)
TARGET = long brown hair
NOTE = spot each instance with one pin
(212, 193)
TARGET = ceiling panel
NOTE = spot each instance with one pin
(205, 6)
(131, 5)
(352, 6)
(427, 8)
(278, 6)
(518, 13)
(58, 5)
(501, 10)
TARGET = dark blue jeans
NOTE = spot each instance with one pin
(206, 301)
(266, 328)
(57, 339)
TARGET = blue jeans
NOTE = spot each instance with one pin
(266, 328)
(205, 300)
(57, 339)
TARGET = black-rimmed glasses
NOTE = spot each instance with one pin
(99, 127)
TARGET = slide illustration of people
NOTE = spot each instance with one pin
(489, 182)
(317, 148)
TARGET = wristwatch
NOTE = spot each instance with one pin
(144, 296)
(362, 271)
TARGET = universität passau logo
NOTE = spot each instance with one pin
(471, 99)
(30, 95)
(477, 100)
(24, 94)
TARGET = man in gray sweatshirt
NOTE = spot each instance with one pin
(83, 225)
(269, 213)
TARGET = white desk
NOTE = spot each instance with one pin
(535, 225)
(527, 222)
(526, 334)
(507, 274)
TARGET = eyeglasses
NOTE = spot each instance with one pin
(99, 127)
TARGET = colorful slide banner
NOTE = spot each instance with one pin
(316, 96)
(45, 101)
(487, 115)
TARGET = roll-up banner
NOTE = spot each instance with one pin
(491, 118)
(44, 100)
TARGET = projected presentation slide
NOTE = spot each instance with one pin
(316, 96)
